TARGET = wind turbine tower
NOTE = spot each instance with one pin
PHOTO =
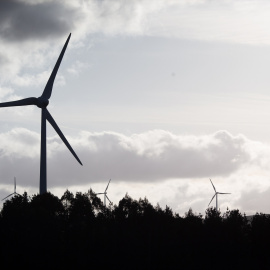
(105, 194)
(42, 102)
(216, 194)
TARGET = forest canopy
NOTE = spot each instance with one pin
(78, 230)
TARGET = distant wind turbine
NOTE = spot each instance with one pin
(216, 194)
(42, 102)
(105, 194)
(14, 190)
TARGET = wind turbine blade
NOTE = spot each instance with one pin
(223, 193)
(21, 102)
(8, 196)
(61, 135)
(48, 88)
(99, 193)
(107, 185)
(212, 199)
(14, 184)
(108, 198)
(213, 185)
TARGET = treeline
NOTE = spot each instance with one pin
(79, 232)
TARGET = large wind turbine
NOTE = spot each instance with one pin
(14, 190)
(42, 102)
(105, 194)
(216, 194)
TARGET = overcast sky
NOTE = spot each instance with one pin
(156, 95)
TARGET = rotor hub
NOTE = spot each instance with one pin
(42, 102)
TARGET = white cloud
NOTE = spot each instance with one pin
(5, 91)
(77, 67)
(225, 20)
(19, 143)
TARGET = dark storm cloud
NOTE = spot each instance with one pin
(21, 21)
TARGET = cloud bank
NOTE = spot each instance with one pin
(148, 157)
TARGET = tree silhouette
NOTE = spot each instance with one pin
(81, 209)
(66, 200)
(15, 208)
(78, 231)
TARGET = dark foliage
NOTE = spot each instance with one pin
(79, 232)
